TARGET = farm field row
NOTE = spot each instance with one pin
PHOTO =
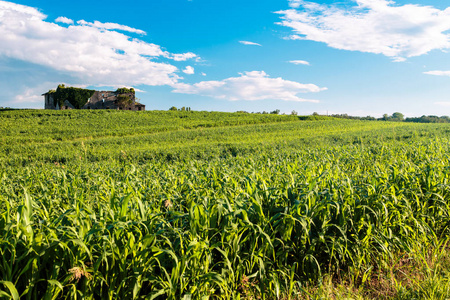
(69, 136)
(249, 206)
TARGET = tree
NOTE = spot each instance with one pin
(124, 101)
(125, 90)
(76, 96)
(397, 117)
(294, 113)
(173, 108)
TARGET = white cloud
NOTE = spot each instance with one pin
(189, 70)
(111, 26)
(91, 53)
(64, 20)
(30, 97)
(137, 90)
(183, 56)
(255, 85)
(438, 73)
(203, 73)
(22, 9)
(249, 43)
(299, 62)
(374, 26)
(444, 103)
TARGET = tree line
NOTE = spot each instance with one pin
(395, 117)
(399, 117)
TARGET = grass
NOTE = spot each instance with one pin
(422, 274)
(247, 207)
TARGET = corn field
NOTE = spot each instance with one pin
(257, 208)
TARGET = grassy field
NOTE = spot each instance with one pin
(201, 205)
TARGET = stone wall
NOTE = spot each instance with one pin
(49, 103)
(99, 100)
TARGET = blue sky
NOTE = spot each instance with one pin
(363, 57)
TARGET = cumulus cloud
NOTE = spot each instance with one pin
(188, 70)
(249, 43)
(438, 73)
(26, 96)
(30, 96)
(26, 10)
(299, 62)
(64, 20)
(92, 53)
(111, 26)
(183, 56)
(444, 103)
(255, 85)
(374, 26)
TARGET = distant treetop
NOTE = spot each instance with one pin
(125, 90)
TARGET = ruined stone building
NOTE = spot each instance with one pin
(98, 100)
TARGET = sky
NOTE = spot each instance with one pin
(361, 57)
